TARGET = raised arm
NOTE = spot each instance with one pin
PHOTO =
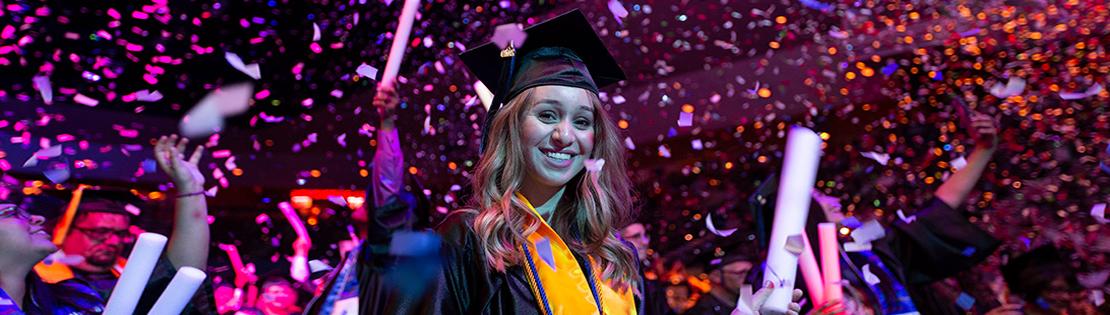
(188, 244)
(389, 161)
(955, 190)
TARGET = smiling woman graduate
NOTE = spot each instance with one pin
(549, 192)
(540, 236)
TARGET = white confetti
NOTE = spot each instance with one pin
(57, 176)
(148, 96)
(44, 154)
(685, 119)
(366, 71)
(618, 10)
(1099, 213)
(316, 31)
(509, 33)
(1012, 88)
(1093, 90)
(958, 163)
(207, 117)
(484, 93)
(882, 158)
(870, 277)
(46, 90)
(595, 165)
(713, 228)
(251, 70)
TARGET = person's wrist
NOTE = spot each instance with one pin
(188, 187)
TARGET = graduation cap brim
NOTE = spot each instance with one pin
(570, 30)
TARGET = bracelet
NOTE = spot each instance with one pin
(179, 196)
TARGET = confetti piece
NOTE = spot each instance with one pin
(629, 144)
(965, 301)
(207, 117)
(882, 158)
(543, 249)
(57, 176)
(817, 5)
(902, 216)
(251, 70)
(1091, 91)
(148, 96)
(315, 32)
(1015, 86)
(1098, 211)
(664, 152)
(44, 154)
(60, 257)
(366, 71)
(870, 231)
(85, 100)
(958, 163)
(594, 165)
(484, 94)
(713, 229)
(870, 277)
(132, 209)
(856, 247)
(618, 11)
(685, 119)
(509, 33)
(42, 83)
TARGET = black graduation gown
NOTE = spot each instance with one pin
(466, 285)
(939, 243)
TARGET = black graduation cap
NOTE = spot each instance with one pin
(1031, 272)
(564, 51)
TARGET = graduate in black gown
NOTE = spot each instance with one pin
(923, 246)
(549, 193)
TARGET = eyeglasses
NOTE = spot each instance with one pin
(12, 211)
(101, 234)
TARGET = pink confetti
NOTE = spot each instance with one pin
(219, 154)
(509, 33)
(85, 100)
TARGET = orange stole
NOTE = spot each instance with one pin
(565, 284)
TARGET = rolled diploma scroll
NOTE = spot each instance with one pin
(298, 268)
(830, 261)
(181, 289)
(236, 264)
(799, 172)
(812, 273)
(133, 280)
(400, 40)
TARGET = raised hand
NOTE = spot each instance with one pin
(985, 131)
(169, 151)
(386, 99)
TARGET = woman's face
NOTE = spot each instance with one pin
(22, 234)
(558, 134)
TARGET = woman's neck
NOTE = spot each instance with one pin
(544, 200)
(13, 276)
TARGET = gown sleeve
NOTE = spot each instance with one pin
(459, 282)
(936, 243)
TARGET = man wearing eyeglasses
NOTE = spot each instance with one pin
(100, 232)
(97, 238)
(726, 275)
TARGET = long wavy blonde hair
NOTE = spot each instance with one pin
(588, 215)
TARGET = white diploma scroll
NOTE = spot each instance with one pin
(141, 262)
(400, 40)
(799, 172)
(180, 290)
